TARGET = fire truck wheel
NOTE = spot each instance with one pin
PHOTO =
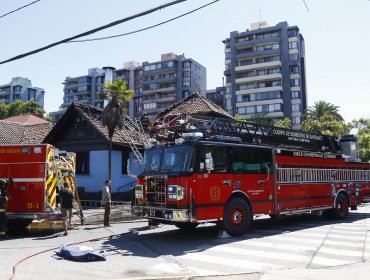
(186, 226)
(341, 207)
(237, 217)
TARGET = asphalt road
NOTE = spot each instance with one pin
(301, 247)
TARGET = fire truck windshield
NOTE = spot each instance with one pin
(167, 160)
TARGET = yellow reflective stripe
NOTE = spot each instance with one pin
(2, 232)
(2, 210)
(53, 192)
(50, 177)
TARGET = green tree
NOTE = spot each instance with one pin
(114, 113)
(362, 126)
(239, 118)
(321, 109)
(19, 107)
(262, 118)
(4, 111)
(284, 123)
(324, 118)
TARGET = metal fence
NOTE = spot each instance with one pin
(97, 203)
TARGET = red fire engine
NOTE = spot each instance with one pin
(228, 172)
(37, 173)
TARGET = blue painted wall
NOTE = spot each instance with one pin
(94, 182)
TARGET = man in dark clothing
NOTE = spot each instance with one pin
(3, 199)
(145, 122)
(67, 197)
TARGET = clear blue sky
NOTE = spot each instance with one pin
(336, 33)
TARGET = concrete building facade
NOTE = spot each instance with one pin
(21, 89)
(172, 78)
(265, 72)
(157, 85)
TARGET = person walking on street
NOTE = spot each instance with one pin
(106, 200)
(67, 197)
(3, 199)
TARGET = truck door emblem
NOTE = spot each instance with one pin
(215, 193)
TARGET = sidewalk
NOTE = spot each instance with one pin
(91, 216)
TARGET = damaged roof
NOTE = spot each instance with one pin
(196, 105)
(94, 115)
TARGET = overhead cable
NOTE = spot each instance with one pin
(4, 15)
(143, 29)
(94, 30)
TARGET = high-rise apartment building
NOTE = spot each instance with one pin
(157, 85)
(265, 72)
(172, 78)
(85, 89)
(21, 89)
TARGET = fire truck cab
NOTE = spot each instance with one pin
(37, 173)
(229, 172)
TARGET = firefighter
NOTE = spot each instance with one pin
(4, 183)
(145, 122)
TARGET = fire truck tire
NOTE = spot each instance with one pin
(340, 210)
(237, 217)
(186, 226)
(18, 224)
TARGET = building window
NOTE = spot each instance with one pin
(186, 64)
(293, 57)
(83, 163)
(294, 69)
(186, 83)
(296, 120)
(227, 55)
(125, 157)
(295, 94)
(294, 82)
(296, 108)
(150, 106)
(186, 74)
(227, 66)
(293, 45)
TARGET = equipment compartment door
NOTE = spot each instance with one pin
(27, 191)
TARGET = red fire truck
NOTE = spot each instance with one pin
(37, 173)
(228, 172)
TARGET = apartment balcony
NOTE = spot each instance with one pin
(257, 90)
(260, 102)
(167, 89)
(160, 100)
(276, 76)
(258, 66)
(4, 100)
(156, 110)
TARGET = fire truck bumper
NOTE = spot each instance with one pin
(164, 214)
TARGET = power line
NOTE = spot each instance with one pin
(94, 30)
(306, 6)
(4, 15)
(143, 29)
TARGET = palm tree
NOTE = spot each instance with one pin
(321, 109)
(114, 113)
(324, 118)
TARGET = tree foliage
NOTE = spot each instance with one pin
(321, 109)
(18, 108)
(362, 126)
(324, 118)
(262, 118)
(284, 123)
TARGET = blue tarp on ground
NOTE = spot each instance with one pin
(80, 254)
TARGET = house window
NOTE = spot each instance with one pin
(125, 157)
(83, 163)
